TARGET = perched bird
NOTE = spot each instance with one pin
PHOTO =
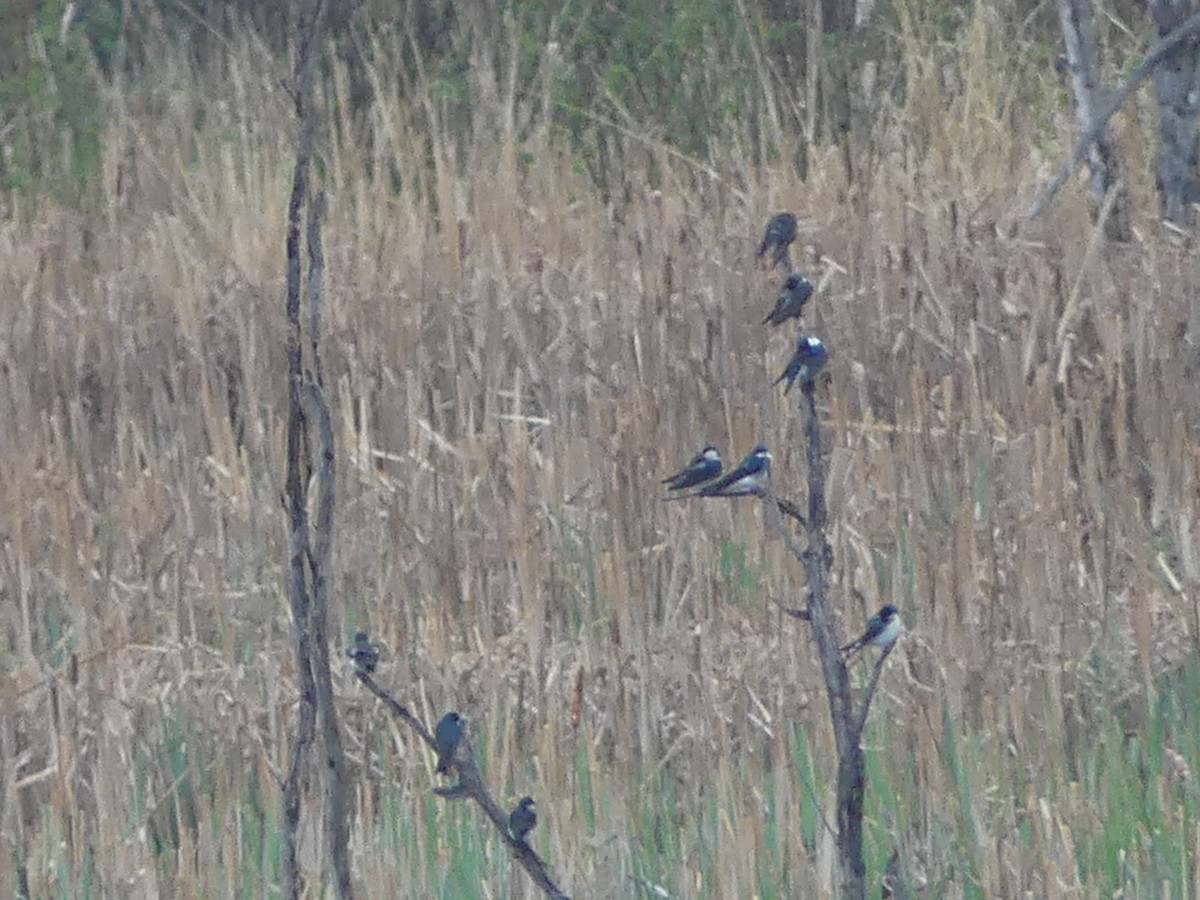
(795, 293)
(705, 466)
(805, 363)
(882, 630)
(781, 231)
(750, 477)
(446, 736)
(363, 654)
(522, 819)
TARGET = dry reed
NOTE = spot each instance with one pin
(1013, 419)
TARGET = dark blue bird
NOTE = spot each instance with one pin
(446, 737)
(882, 630)
(781, 231)
(792, 297)
(750, 477)
(363, 654)
(705, 466)
(522, 819)
(805, 363)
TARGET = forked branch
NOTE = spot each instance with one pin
(1145, 68)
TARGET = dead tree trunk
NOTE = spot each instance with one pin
(1177, 91)
(334, 776)
(848, 717)
(818, 560)
(1091, 102)
(308, 553)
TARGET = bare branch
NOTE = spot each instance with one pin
(295, 490)
(791, 510)
(775, 507)
(1189, 27)
(860, 721)
(470, 786)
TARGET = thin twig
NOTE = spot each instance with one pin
(861, 720)
(774, 506)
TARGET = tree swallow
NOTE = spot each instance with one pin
(805, 363)
(363, 654)
(795, 293)
(750, 477)
(781, 231)
(446, 737)
(705, 466)
(882, 630)
(522, 819)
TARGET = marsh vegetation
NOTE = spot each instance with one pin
(541, 298)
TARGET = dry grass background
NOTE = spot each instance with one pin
(1013, 416)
